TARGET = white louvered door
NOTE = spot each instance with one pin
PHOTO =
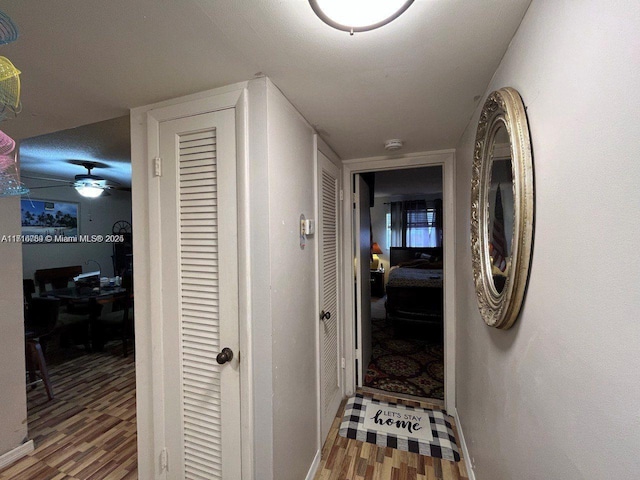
(330, 364)
(200, 296)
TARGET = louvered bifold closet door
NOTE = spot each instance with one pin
(199, 302)
(330, 283)
(202, 397)
(328, 253)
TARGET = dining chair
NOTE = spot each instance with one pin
(40, 321)
(74, 324)
(56, 277)
(120, 318)
(28, 289)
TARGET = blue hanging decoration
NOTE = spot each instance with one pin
(8, 29)
(10, 185)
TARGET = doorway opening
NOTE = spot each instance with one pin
(79, 292)
(399, 238)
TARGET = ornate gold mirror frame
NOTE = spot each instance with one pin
(500, 282)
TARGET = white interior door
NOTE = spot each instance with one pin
(199, 304)
(363, 284)
(330, 364)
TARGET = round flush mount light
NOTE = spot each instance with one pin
(358, 15)
(393, 144)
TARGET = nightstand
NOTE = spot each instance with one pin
(377, 283)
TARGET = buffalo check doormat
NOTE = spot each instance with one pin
(412, 429)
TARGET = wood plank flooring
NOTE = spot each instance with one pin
(88, 431)
(348, 459)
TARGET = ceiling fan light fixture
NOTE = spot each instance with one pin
(89, 185)
(358, 15)
(89, 191)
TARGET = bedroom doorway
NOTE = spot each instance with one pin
(401, 314)
(403, 333)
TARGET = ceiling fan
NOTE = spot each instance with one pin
(86, 184)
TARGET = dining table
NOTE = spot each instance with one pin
(95, 299)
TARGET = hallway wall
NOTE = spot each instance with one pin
(292, 289)
(556, 396)
(13, 399)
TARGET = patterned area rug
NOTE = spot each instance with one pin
(405, 364)
(412, 429)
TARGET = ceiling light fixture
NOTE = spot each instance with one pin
(358, 15)
(88, 190)
(89, 185)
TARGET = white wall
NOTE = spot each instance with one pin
(259, 260)
(13, 401)
(292, 285)
(556, 396)
(97, 217)
(282, 279)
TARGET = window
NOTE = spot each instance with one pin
(421, 228)
(415, 223)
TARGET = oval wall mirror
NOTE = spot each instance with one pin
(501, 208)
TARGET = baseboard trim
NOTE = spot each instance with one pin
(463, 444)
(16, 454)
(314, 466)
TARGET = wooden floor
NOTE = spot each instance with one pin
(348, 459)
(89, 430)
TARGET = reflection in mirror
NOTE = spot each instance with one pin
(501, 205)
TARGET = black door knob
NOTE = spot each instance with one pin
(325, 315)
(224, 356)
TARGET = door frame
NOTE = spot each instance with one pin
(446, 159)
(147, 258)
(322, 147)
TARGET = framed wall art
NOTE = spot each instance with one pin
(48, 217)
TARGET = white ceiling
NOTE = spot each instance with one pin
(107, 144)
(418, 78)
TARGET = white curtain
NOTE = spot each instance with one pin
(397, 224)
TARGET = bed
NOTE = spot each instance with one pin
(414, 288)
